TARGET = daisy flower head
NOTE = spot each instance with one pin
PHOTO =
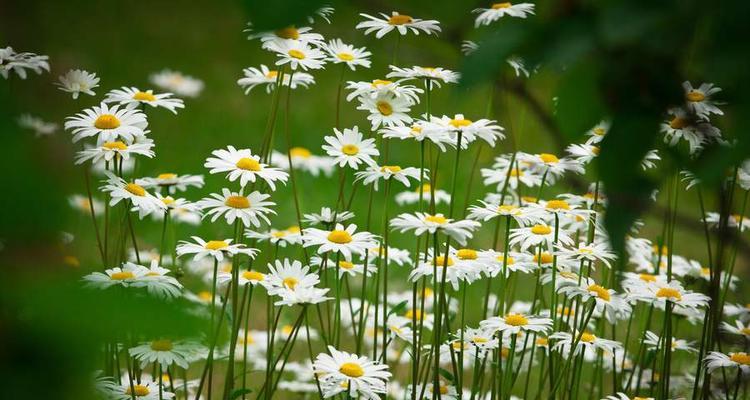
(375, 173)
(303, 160)
(107, 124)
(654, 342)
(77, 81)
(251, 209)
(124, 275)
(606, 301)
(179, 209)
(715, 360)
(349, 148)
(420, 223)
(595, 251)
(157, 283)
(382, 87)
(696, 132)
(243, 165)
(216, 249)
(451, 265)
(416, 132)
(395, 255)
(38, 125)
(699, 100)
(133, 193)
(587, 342)
(264, 76)
(305, 295)
(444, 391)
(523, 215)
(297, 54)
(338, 53)
(424, 192)
(402, 23)
(340, 239)
(133, 97)
(171, 181)
(142, 390)
(327, 216)
(386, 110)
(20, 62)
(433, 75)
(278, 237)
(469, 130)
(498, 10)
(83, 204)
(739, 328)
(116, 150)
(345, 267)
(288, 274)
(513, 323)
(660, 292)
(536, 235)
(345, 372)
(583, 153)
(245, 277)
(286, 34)
(177, 83)
(163, 351)
(552, 165)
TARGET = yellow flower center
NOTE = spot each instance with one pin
(290, 282)
(412, 314)
(253, 275)
(587, 337)
(278, 234)
(381, 82)
(204, 295)
(467, 254)
(400, 19)
(345, 56)
(548, 158)
(546, 258)
(440, 261)
(144, 96)
(296, 54)
(272, 74)
(293, 229)
(137, 190)
(558, 205)
(339, 236)
(542, 341)
(568, 275)
(392, 168)
(740, 358)
(352, 370)
(350, 149)
(479, 339)
(516, 320)
(669, 293)
(166, 176)
(745, 331)
(346, 265)
(509, 260)
(248, 164)
(678, 123)
(529, 199)
(599, 131)
(138, 390)
(458, 123)
(122, 275)
(118, 145)
(695, 96)
(647, 277)
(384, 108)
(107, 121)
(237, 202)
(215, 244)
(438, 219)
(168, 200)
(416, 130)
(426, 188)
(289, 32)
(506, 208)
(287, 329)
(499, 6)
(516, 172)
(601, 292)
(161, 345)
(541, 230)
(300, 152)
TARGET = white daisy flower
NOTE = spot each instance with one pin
(398, 256)
(327, 216)
(134, 194)
(412, 197)
(345, 267)
(455, 270)
(739, 328)
(245, 277)
(596, 251)
(554, 167)
(444, 391)
(344, 372)
(699, 101)
(287, 34)
(38, 125)
(695, 131)
(586, 342)
(107, 124)
(82, 203)
(338, 52)
(583, 153)
(177, 83)
(290, 235)
(522, 215)
(374, 173)
(715, 360)
(143, 390)
(606, 301)
(513, 323)
(536, 235)
(116, 150)
(297, 54)
(251, 209)
(433, 75)
(304, 160)
(400, 22)
(498, 10)
(124, 275)
(349, 148)
(470, 130)
(420, 223)
(305, 295)
(382, 87)
(654, 342)
(164, 352)
(386, 110)
(268, 77)
(216, 249)
(133, 97)
(659, 292)
(243, 165)
(171, 181)
(416, 132)
(340, 239)
(77, 81)
(20, 62)
(157, 283)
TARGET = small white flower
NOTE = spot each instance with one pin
(250, 209)
(216, 249)
(133, 97)
(177, 83)
(386, 110)
(116, 150)
(344, 372)
(699, 101)
(374, 173)
(349, 148)
(498, 10)
(265, 76)
(400, 22)
(38, 125)
(297, 54)
(134, 194)
(340, 239)
(338, 52)
(77, 81)
(420, 223)
(243, 165)
(107, 124)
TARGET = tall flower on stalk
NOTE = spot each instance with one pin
(552, 165)
(375, 173)
(109, 151)
(290, 235)
(341, 239)
(653, 342)
(421, 223)
(142, 390)
(163, 351)
(587, 342)
(303, 160)
(132, 97)
(20, 62)
(157, 282)
(498, 10)
(289, 33)
(351, 56)
(402, 23)
(382, 87)
(682, 125)
(469, 130)
(171, 181)
(302, 296)
(216, 249)
(417, 133)
(432, 75)
(251, 209)
(715, 360)
(522, 215)
(606, 301)
(660, 292)
(297, 54)
(422, 192)
(77, 81)
(243, 165)
(386, 110)
(141, 200)
(538, 234)
(287, 275)
(264, 76)
(455, 270)
(341, 372)
(327, 216)
(592, 252)
(699, 100)
(107, 124)
(124, 275)
(513, 323)
(177, 83)
(349, 148)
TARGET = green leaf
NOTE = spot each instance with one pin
(398, 309)
(237, 393)
(446, 374)
(579, 105)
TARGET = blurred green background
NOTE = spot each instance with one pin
(125, 42)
